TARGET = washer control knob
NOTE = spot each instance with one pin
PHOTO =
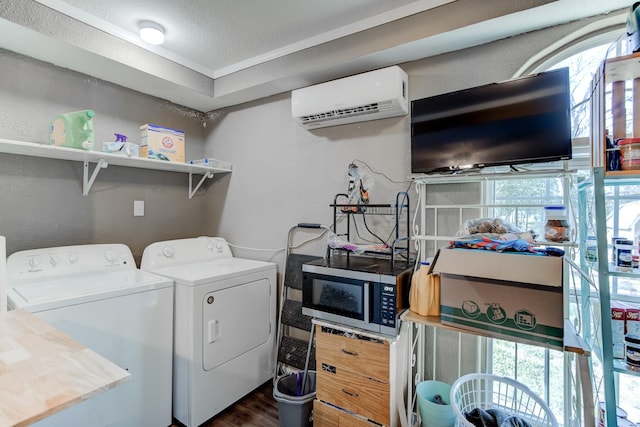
(111, 255)
(73, 258)
(168, 251)
(53, 260)
(34, 262)
(219, 246)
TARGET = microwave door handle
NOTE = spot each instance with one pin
(367, 289)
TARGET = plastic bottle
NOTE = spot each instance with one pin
(614, 252)
(624, 257)
(73, 130)
(591, 253)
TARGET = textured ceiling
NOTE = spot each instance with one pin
(225, 52)
(217, 34)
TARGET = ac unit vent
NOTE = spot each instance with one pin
(349, 112)
(368, 96)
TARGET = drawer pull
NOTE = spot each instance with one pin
(328, 368)
(350, 353)
(349, 393)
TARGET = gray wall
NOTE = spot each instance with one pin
(284, 174)
(41, 201)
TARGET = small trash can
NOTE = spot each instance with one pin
(435, 414)
(295, 406)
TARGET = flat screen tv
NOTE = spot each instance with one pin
(524, 120)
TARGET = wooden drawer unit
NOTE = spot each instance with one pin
(353, 392)
(352, 374)
(359, 354)
(329, 416)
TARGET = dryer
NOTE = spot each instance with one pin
(96, 295)
(225, 314)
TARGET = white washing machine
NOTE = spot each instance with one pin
(96, 295)
(225, 314)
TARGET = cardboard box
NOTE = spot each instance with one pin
(625, 319)
(508, 295)
(632, 318)
(618, 315)
(157, 142)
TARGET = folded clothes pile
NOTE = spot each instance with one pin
(494, 418)
(516, 245)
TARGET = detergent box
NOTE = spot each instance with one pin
(507, 295)
(161, 143)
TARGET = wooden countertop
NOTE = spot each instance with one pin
(43, 371)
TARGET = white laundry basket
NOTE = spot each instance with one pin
(486, 391)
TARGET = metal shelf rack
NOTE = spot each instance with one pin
(399, 210)
(618, 73)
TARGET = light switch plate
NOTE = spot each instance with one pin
(138, 208)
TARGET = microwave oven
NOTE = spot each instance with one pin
(359, 291)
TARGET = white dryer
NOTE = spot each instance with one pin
(225, 314)
(96, 295)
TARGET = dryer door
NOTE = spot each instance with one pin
(236, 320)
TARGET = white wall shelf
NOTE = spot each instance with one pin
(102, 160)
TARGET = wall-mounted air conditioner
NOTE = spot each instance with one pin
(367, 96)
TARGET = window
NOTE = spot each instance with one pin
(527, 363)
(581, 68)
(521, 202)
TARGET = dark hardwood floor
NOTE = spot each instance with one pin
(258, 409)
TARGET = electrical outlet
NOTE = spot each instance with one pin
(138, 208)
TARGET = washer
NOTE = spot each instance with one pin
(225, 313)
(96, 295)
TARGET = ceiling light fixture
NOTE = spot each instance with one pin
(151, 33)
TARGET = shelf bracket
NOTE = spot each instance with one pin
(192, 190)
(87, 181)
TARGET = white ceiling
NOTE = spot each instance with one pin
(221, 35)
(224, 52)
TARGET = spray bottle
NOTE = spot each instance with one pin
(73, 130)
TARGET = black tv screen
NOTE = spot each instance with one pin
(524, 120)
